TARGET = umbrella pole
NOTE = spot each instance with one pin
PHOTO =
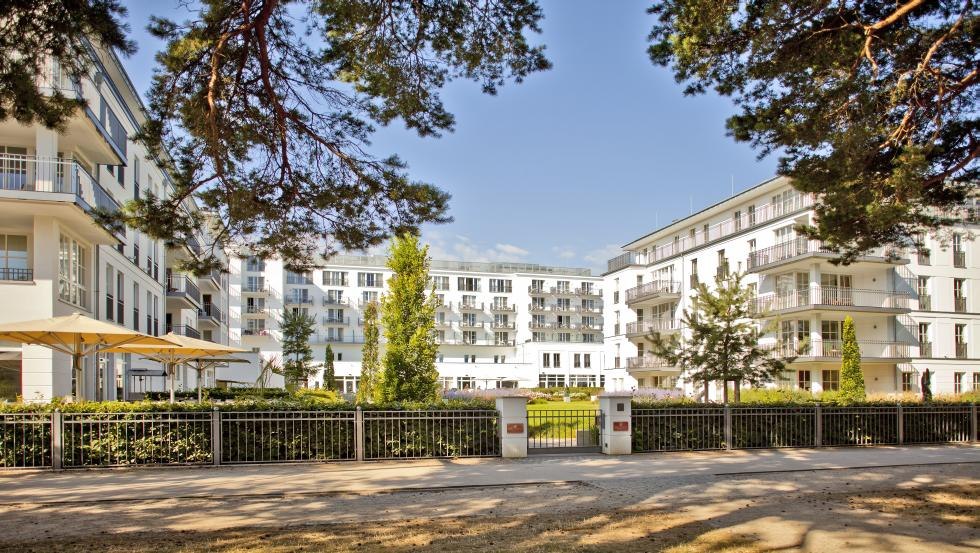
(76, 367)
(170, 369)
(199, 375)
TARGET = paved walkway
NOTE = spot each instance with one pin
(331, 478)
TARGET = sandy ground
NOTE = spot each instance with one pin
(914, 508)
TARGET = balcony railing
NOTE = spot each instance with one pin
(210, 310)
(648, 362)
(653, 290)
(960, 350)
(833, 349)
(503, 308)
(23, 173)
(184, 330)
(297, 300)
(181, 285)
(762, 214)
(959, 305)
(925, 349)
(336, 320)
(335, 282)
(791, 249)
(19, 275)
(959, 259)
(327, 300)
(499, 325)
(651, 326)
(471, 306)
(536, 308)
(255, 309)
(255, 289)
(538, 290)
(588, 291)
(830, 297)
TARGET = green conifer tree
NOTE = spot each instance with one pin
(851, 377)
(329, 376)
(367, 388)
(297, 354)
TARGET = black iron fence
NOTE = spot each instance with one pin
(737, 427)
(563, 429)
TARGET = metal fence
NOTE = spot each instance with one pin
(75, 440)
(715, 427)
(563, 429)
(425, 434)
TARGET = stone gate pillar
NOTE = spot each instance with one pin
(513, 426)
(617, 424)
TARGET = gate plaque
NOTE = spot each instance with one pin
(515, 428)
(621, 426)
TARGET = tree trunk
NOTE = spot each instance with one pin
(706, 384)
(725, 393)
(738, 391)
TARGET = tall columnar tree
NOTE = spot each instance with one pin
(267, 106)
(369, 385)
(851, 377)
(408, 317)
(297, 365)
(871, 104)
(329, 376)
(723, 344)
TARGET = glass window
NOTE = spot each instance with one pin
(13, 257)
(831, 379)
(72, 272)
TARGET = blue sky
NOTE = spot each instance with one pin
(566, 167)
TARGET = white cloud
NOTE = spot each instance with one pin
(598, 257)
(458, 247)
(511, 249)
(564, 252)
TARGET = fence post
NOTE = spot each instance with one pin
(57, 440)
(901, 424)
(728, 427)
(817, 425)
(973, 423)
(358, 433)
(215, 435)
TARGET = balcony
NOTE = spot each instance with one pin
(961, 352)
(646, 328)
(628, 259)
(925, 349)
(212, 280)
(959, 305)
(650, 362)
(48, 185)
(210, 314)
(255, 311)
(537, 307)
(801, 250)
(470, 306)
(832, 298)
(333, 301)
(471, 325)
(502, 308)
(536, 290)
(255, 332)
(184, 330)
(255, 289)
(501, 325)
(184, 293)
(832, 350)
(298, 301)
(335, 320)
(335, 339)
(442, 324)
(16, 275)
(335, 282)
(588, 292)
(959, 259)
(653, 292)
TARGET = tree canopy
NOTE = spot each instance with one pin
(266, 108)
(870, 105)
(723, 340)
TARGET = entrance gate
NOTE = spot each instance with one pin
(563, 431)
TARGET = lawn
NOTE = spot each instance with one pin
(561, 430)
(560, 405)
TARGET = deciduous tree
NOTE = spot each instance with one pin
(870, 105)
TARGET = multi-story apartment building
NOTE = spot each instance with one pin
(497, 324)
(912, 310)
(56, 259)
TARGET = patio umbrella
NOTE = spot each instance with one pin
(202, 364)
(177, 350)
(75, 335)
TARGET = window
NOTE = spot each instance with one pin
(468, 284)
(577, 361)
(446, 382)
(298, 278)
(958, 383)
(564, 337)
(469, 358)
(501, 338)
(537, 286)
(830, 331)
(110, 298)
(831, 379)
(737, 218)
(751, 215)
(368, 297)
(335, 297)
(556, 360)
(499, 359)
(334, 278)
(469, 319)
(589, 305)
(694, 274)
(976, 382)
(959, 340)
(587, 360)
(959, 295)
(469, 337)
(803, 380)
(149, 312)
(440, 282)
(466, 382)
(925, 345)
(254, 264)
(563, 286)
(501, 286)
(922, 288)
(72, 271)
(136, 306)
(537, 303)
(539, 337)
(546, 360)
(370, 280)
(582, 380)
(908, 382)
(959, 256)
(13, 258)
(120, 297)
(563, 304)
(551, 380)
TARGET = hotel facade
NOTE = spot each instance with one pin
(55, 259)
(913, 311)
(497, 324)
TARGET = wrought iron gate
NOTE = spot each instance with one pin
(563, 431)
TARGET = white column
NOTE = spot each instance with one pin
(617, 431)
(513, 426)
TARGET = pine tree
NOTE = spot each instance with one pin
(329, 377)
(408, 318)
(851, 377)
(296, 328)
(368, 388)
(724, 341)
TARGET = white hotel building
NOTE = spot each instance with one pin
(55, 259)
(913, 311)
(497, 324)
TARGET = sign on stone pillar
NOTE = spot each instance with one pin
(617, 424)
(513, 426)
